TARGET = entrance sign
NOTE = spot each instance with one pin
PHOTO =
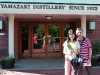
(48, 6)
(54, 8)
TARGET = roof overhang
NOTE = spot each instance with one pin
(33, 10)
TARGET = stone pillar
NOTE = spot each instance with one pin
(11, 35)
(83, 25)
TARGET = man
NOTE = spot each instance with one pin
(35, 38)
(85, 52)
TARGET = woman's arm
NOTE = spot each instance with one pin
(64, 50)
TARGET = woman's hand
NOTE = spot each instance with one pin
(67, 59)
(72, 51)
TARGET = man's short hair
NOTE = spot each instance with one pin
(80, 29)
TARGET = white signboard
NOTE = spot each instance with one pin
(49, 6)
(92, 25)
(1, 24)
(19, 8)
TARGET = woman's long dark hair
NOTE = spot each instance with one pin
(71, 32)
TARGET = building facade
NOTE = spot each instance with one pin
(38, 30)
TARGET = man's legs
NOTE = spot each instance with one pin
(80, 68)
(89, 70)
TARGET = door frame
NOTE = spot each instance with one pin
(46, 24)
(26, 55)
(46, 53)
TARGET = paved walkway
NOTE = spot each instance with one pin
(40, 67)
(38, 64)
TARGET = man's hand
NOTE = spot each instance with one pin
(89, 61)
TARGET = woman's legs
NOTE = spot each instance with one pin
(72, 71)
(67, 67)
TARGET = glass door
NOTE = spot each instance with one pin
(53, 41)
(42, 40)
(24, 40)
(46, 41)
(38, 36)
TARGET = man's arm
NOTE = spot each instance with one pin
(90, 48)
(89, 60)
(90, 53)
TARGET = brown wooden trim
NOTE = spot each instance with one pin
(46, 23)
(62, 34)
(20, 37)
(22, 20)
(29, 39)
(46, 33)
(60, 40)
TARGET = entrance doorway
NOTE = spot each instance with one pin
(42, 40)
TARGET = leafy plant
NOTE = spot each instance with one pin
(94, 60)
(6, 58)
(0, 49)
(96, 47)
(94, 57)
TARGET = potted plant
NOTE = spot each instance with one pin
(96, 47)
(94, 60)
(95, 53)
(7, 62)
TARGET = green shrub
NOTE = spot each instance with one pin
(6, 58)
(96, 47)
(0, 49)
(94, 60)
(94, 57)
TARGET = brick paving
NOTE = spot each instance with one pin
(47, 67)
(96, 71)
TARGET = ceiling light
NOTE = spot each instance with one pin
(48, 17)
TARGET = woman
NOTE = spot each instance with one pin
(50, 42)
(44, 42)
(71, 53)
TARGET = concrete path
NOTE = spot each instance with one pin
(40, 67)
(38, 64)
